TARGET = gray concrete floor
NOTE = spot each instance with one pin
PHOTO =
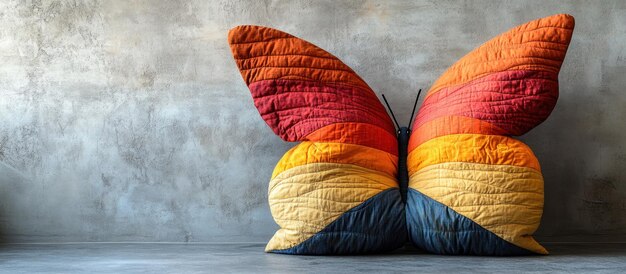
(249, 258)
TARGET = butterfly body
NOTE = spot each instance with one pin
(454, 182)
(404, 133)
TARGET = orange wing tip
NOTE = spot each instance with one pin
(540, 44)
(253, 34)
(562, 20)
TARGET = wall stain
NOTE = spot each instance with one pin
(603, 205)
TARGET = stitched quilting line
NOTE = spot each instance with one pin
(435, 179)
(288, 112)
(435, 183)
(462, 63)
(332, 122)
(470, 163)
(320, 90)
(537, 75)
(345, 85)
(367, 183)
(291, 54)
(486, 63)
(453, 103)
(362, 86)
(486, 74)
(312, 120)
(354, 124)
(486, 95)
(254, 64)
(506, 42)
(486, 116)
(478, 163)
(339, 166)
(482, 166)
(296, 67)
(495, 197)
(291, 37)
(498, 105)
(561, 47)
(499, 59)
(319, 186)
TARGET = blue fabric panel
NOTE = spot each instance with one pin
(436, 228)
(376, 225)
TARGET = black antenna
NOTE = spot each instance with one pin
(414, 106)
(393, 116)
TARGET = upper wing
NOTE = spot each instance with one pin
(299, 88)
(473, 190)
(329, 193)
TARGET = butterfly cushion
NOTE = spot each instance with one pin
(454, 182)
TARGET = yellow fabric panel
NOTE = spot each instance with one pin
(307, 198)
(506, 200)
(317, 152)
(475, 148)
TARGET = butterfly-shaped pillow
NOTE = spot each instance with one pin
(454, 183)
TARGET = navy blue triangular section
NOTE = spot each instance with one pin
(376, 225)
(436, 228)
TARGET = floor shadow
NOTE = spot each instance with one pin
(586, 249)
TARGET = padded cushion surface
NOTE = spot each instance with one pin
(473, 189)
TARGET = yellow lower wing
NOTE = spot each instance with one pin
(316, 183)
(482, 184)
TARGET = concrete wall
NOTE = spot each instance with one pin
(128, 120)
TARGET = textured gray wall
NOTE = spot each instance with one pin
(128, 120)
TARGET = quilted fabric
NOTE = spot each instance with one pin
(329, 192)
(472, 189)
(460, 156)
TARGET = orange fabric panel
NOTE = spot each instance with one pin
(358, 134)
(473, 148)
(265, 54)
(537, 45)
(451, 125)
(314, 152)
